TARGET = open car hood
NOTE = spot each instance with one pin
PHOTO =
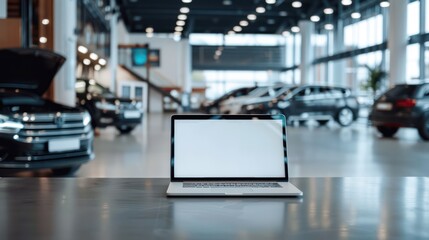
(28, 69)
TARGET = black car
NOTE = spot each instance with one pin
(402, 106)
(36, 133)
(303, 103)
(106, 109)
(212, 107)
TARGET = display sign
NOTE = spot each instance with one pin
(140, 57)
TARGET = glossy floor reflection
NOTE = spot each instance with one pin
(314, 151)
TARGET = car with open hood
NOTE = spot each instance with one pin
(36, 133)
(106, 109)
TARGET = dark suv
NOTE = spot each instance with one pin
(405, 105)
(303, 103)
(37, 133)
(106, 109)
(212, 107)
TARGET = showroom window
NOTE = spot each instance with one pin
(236, 39)
(413, 19)
(412, 69)
(289, 50)
(365, 33)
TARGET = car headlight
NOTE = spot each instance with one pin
(7, 125)
(86, 118)
(138, 105)
(105, 106)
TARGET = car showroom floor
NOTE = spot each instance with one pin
(313, 151)
(330, 151)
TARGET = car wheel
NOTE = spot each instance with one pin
(124, 129)
(345, 117)
(322, 122)
(65, 171)
(424, 128)
(387, 131)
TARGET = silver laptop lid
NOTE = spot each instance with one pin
(228, 148)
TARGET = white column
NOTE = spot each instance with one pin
(397, 41)
(113, 62)
(186, 73)
(307, 52)
(65, 44)
(339, 66)
(3, 9)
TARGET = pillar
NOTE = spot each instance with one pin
(65, 42)
(186, 74)
(339, 65)
(397, 41)
(113, 62)
(307, 52)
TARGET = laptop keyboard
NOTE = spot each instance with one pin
(231, 185)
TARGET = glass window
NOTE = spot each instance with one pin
(139, 93)
(289, 51)
(297, 46)
(126, 91)
(413, 19)
(426, 46)
(412, 69)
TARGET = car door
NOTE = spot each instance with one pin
(302, 102)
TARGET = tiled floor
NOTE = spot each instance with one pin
(313, 151)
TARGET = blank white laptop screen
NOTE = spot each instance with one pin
(229, 149)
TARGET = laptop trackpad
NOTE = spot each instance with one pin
(237, 192)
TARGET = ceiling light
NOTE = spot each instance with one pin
(86, 61)
(45, 21)
(315, 18)
(237, 28)
(285, 33)
(182, 17)
(149, 35)
(346, 2)
(82, 49)
(176, 37)
(260, 9)
(270, 1)
(43, 40)
(328, 11)
(97, 67)
(296, 4)
(178, 29)
(329, 26)
(244, 23)
(384, 4)
(149, 30)
(355, 15)
(186, 1)
(180, 23)
(294, 29)
(251, 17)
(227, 2)
(231, 32)
(93, 56)
(102, 61)
(184, 10)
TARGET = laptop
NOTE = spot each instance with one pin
(229, 155)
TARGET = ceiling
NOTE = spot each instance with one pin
(220, 16)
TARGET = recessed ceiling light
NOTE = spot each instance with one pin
(182, 17)
(86, 61)
(231, 32)
(329, 26)
(177, 33)
(45, 21)
(296, 4)
(176, 37)
(102, 61)
(315, 18)
(384, 4)
(82, 49)
(346, 2)
(93, 56)
(328, 11)
(237, 28)
(180, 23)
(244, 23)
(149, 30)
(178, 29)
(227, 2)
(251, 17)
(355, 15)
(260, 9)
(294, 29)
(270, 1)
(285, 33)
(186, 1)
(149, 35)
(97, 67)
(184, 10)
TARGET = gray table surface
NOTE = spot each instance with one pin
(332, 208)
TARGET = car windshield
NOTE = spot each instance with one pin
(258, 92)
(401, 91)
